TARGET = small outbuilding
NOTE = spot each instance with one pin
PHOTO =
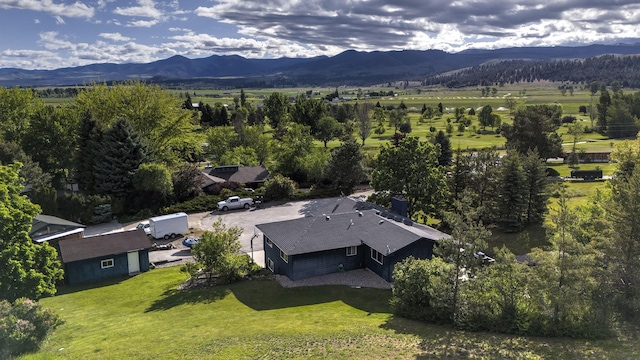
(105, 256)
(51, 230)
(215, 178)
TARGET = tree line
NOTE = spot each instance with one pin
(604, 69)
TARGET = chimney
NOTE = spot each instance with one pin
(399, 205)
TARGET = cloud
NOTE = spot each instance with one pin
(75, 10)
(377, 25)
(59, 50)
(146, 8)
(59, 20)
(114, 36)
(142, 23)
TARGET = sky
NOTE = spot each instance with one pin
(50, 34)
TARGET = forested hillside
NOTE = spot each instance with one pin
(606, 69)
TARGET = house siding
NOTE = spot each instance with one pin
(325, 262)
(90, 270)
(279, 266)
(421, 249)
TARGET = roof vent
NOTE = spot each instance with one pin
(360, 213)
(380, 222)
(327, 217)
(407, 222)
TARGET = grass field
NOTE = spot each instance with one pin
(145, 317)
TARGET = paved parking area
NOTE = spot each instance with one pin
(251, 239)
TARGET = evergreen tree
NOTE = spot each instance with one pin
(603, 110)
(512, 193)
(485, 117)
(536, 181)
(534, 127)
(622, 246)
(468, 237)
(445, 148)
(89, 144)
(484, 182)
(460, 175)
(243, 98)
(121, 154)
(561, 285)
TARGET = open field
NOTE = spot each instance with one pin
(145, 317)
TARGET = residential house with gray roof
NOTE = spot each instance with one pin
(342, 236)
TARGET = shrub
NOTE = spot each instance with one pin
(23, 326)
(197, 204)
(85, 209)
(279, 188)
(552, 172)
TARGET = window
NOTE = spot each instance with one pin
(106, 263)
(377, 256)
(284, 256)
(270, 264)
(352, 250)
(269, 242)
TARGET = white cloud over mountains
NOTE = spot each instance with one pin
(151, 30)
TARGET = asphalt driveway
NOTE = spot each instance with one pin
(251, 238)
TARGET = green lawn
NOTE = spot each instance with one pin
(144, 317)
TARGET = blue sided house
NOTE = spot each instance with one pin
(105, 256)
(346, 235)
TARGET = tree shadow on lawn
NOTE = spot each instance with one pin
(445, 342)
(174, 297)
(263, 295)
(70, 289)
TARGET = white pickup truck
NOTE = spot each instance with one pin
(235, 202)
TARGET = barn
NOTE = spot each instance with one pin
(347, 236)
(105, 256)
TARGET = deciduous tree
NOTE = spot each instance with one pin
(345, 168)
(411, 169)
(27, 269)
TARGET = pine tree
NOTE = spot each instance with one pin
(536, 181)
(445, 148)
(89, 142)
(512, 193)
(121, 154)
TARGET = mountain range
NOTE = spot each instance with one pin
(348, 68)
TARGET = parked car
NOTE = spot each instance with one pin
(190, 242)
(144, 225)
(235, 202)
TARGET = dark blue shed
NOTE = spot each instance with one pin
(105, 256)
(359, 238)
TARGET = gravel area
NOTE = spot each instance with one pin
(356, 278)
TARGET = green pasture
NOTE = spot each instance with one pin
(145, 317)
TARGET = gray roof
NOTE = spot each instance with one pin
(353, 228)
(238, 174)
(103, 245)
(47, 227)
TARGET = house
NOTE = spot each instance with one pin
(214, 178)
(344, 236)
(105, 256)
(50, 229)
